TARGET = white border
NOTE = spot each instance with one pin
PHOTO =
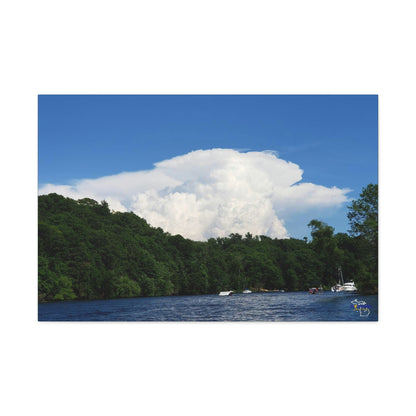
(183, 47)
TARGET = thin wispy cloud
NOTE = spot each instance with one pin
(211, 193)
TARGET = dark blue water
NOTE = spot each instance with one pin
(288, 306)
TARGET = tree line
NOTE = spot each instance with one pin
(86, 251)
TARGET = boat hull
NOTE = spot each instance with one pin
(343, 289)
(226, 293)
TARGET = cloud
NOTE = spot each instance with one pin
(211, 193)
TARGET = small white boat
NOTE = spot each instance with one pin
(247, 291)
(347, 287)
(226, 293)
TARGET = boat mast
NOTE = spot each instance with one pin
(341, 278)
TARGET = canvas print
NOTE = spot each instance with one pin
(208, 208)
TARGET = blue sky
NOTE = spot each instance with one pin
(333, 139)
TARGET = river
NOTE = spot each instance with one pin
(287, 306)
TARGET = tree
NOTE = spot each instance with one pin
(88, 252)
(325, 246)
(363, 218)
(363, 215)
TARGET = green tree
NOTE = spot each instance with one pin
(88, 252)
(325, 246)
(363, 218)
(363, 214)
(126, 288)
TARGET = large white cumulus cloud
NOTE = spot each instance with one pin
(211, 193)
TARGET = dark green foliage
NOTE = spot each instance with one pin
(363, 218)
(327, 252)
(363, 215)
(88, 252)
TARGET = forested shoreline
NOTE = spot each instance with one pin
(88, 252)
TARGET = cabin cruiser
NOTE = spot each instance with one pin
(347, 287)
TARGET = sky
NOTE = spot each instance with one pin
(207, 166)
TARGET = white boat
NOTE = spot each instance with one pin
(347, 287)
(226, 293)
(247, 291)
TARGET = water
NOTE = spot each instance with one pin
(288, 306)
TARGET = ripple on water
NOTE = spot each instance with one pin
(288, 306)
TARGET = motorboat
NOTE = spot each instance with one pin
(347, 287)
(247, 291)
(350, 287)
(226, 293)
